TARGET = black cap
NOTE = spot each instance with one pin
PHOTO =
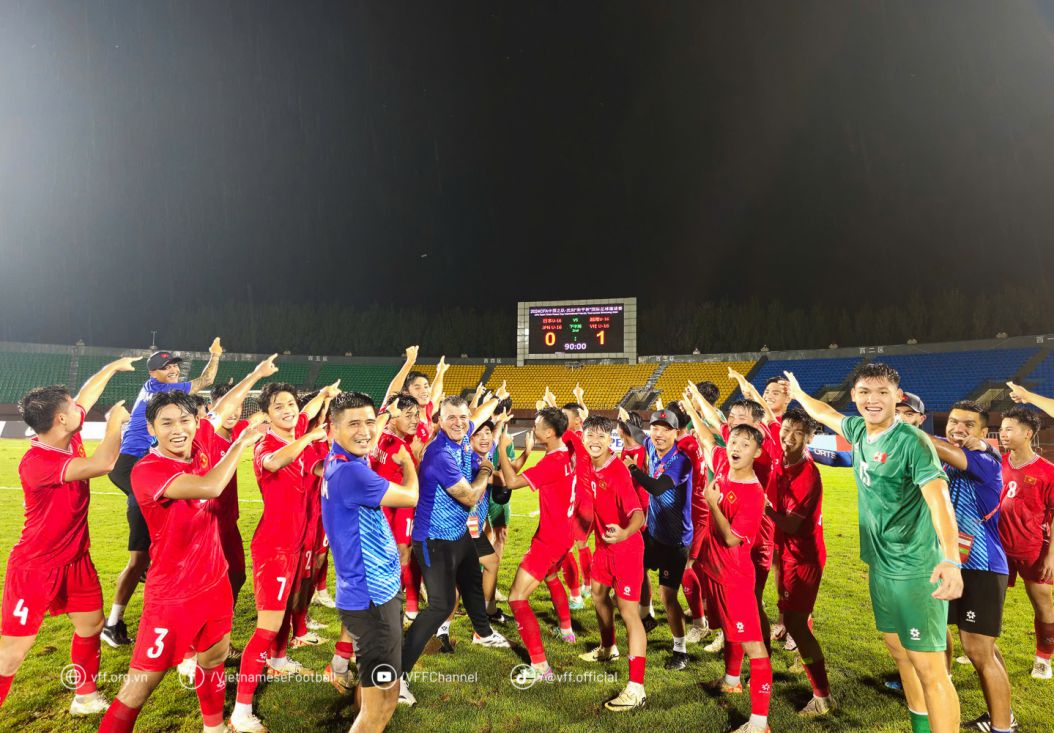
(914, 402)
(161, 359)
(667, 417)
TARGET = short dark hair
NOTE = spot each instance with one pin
(272, 390)
(709, 391)
(756, 410)
(303, 399)
(221, 389)
(484, 424)
(1027, 417)
(176, 397)
(682, 416)
(413, 377)
(349, 401)
(774, 380)
(876, 370)
(402, 401)
(755, 434)
(503, 406)
(972, 406)
(573, 407)
(39, 406)
(554, 418)
(635, 420)
(598, 422)
(454, 400)
(800, 416)
(199, 401)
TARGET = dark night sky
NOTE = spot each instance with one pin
(158, 154)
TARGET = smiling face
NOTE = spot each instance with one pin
(483, 440)
(598, 443)
(876, 399)
(740, 415)
(406, 423)
(742, 452)
(353, 429)
(906, 414)
(794, 437)
(776, 397)
(663, 436)
(420, 390)
(168, 374)
(1014, 435)
(174, 429)
(454, 420)
(963, 424)
(283, 411)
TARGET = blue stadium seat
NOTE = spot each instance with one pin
(812, 374)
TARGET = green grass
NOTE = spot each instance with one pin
(857, 660)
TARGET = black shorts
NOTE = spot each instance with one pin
(377, 633)
(121, 476)
(669, 560)
(980, 609)
(483, 546)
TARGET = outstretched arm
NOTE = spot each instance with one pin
(232, 401)
(437, 383)
(819, 411)
(93, 388)
(327, 393)
(751, 393)
(105, 456)
(1023, 396)
(208, 374)
(212, 484)
(399, 379)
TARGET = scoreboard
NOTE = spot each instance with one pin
(583, 329)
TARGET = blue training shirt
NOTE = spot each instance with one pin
(365, 558)
(670, 513)
(439, 516)
(135, 440)
(975, 495)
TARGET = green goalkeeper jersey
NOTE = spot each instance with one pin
(897, 538)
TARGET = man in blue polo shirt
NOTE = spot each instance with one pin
(365, 557)
(668, 536)
(163, 367)
(975, 483)
(442, 545)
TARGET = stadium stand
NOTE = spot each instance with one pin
(604, 384)
(458, 378)
(812, 374)
(24, 371)
(672, 381)
(1041, 379)
(124, 385)
(372, 379)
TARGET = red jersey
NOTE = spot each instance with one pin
(55, 532)
(553, 478)
(640, 457)
(582, 464)
(614, 502)
(771, 450)
(743, 504)
(1026, 506)
(186, 557)
(381, 462)
(284, 522)
(424, 428)
(226, 505)
(798, 490)
(689, 445)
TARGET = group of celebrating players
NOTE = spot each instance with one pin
(416, 493)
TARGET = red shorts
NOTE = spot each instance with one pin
(233, 549)
(542, 560)
(275, 578)
(1027, 567)
(698, 535)
(321, 541)
(582, 522)
(761, 556)
(798, 586)
(401, 521)
(29, 594)
(621, 569)
(168, 631)
(736, 607)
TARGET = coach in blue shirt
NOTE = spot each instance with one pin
(442, 545)
(975, 484)
(365, 557)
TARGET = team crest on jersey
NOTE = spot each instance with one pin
(1028, 479)
(880, 457)
(81, 453)
(731, 496)
(203, 460)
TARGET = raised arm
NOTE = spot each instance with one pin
(232, 401)
(288, 453)
(819, 411)
(1023, 396)
(211, 485)
(486, 410)
(580, 400)
(315, 405)
(208, 374)
(509, 473)
(95, 385)
(947, 572)
(709, 412)
(751, 393)
(702, 433)
(437, 382)
(399, 379)
(105, 456)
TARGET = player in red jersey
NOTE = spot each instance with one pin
(1025, 512)
(50, 568)
(187, 601)
(736, 501)
(280, 462)
(553, 479)
(619, 560)
(410, 382)
(577, 573)
(404, 417)
(795, 495)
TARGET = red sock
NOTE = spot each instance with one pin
(119, 718)
(211, 692)
(636, 670)
(733, 658)
(299, 622)
(409, 587)
(1044, 639)
(563, 610)
(527, 624)
(281, 639)
(585, 559)
(320, 583)
(344, 649)
(760, 686)
(570, 571)
(85, 653)
(693, 591)
(607, 637)
(817, 674)
(5, 686)
(254, 657)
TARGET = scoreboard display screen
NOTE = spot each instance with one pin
(576, 329)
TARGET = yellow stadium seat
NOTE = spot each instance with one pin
(672, 382)
(604, 384)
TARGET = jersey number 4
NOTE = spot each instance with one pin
(21, 612)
